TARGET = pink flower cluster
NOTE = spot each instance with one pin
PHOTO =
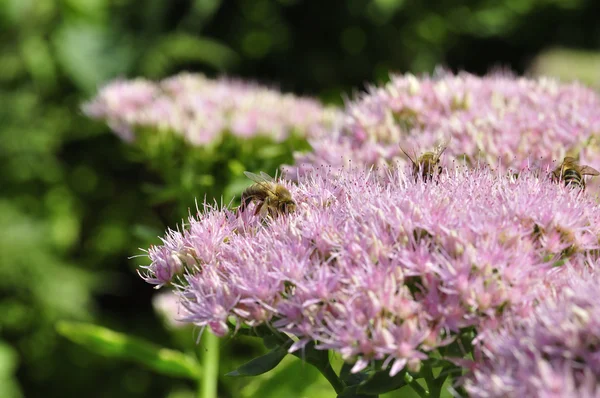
(380, 271)
(201, 110)
(554, 352)
(500, 120)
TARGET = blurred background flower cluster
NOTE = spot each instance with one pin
(76, 201)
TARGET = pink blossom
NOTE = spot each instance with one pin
(382, 271)
(552, 352)
(500, 120)
(201, 110)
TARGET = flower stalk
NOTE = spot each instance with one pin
(208, 383)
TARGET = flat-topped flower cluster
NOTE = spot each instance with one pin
(500, 120)
(201, 110)
(385, 270)
(553, 352)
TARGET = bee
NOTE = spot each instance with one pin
(426, 164)
(270, 197)
(572, 173)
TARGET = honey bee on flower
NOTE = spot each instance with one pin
(426, 165)
(572, 173)
(270, 197)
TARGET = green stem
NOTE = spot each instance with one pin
(439, 382)
(433, 385)
(320, 360)
(332, 378)
(352, 383)
(455, 372)
(210, 366)
(416, 386)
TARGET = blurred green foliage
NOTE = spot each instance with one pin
(71, 205)
(567, 64)
(71, 212)
(112, 344)
(328, 47)
(213, 172)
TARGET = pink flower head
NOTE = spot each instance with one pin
(553, 352)
(201, 110)
(501, 120)
(121, 103)
(383, 271)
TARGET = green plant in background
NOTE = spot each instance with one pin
(569, 64)
(362, 40)
(199, 135)
(65, 238)
(8, 364)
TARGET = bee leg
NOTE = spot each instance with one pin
(245, 201)
(258, 208)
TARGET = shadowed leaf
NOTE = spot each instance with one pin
(112, 344)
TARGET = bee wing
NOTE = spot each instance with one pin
(259, 179)
(442, 147)
(589, 171)
(266, 176)
(263, 179)
(410, 154)
(569, 159)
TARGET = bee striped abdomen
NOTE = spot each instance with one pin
(253, 192)
(572, 173)
(573, 178)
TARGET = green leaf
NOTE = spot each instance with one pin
(9, 359)
(310, 354)
(91, 55)
(200, 13)
(271, 341)
(290, 379)
(263, 363)
(353, 382)
(345, 370)
(38, 60)
(180, 48)
(381, 382)
(92, 10)
(350, 392)
(271, 151)
(320, 360)
(112, 344)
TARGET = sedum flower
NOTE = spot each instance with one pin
(380, 272)
(498, 119)
(553, 352)
(201, 110)
(180, 253)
